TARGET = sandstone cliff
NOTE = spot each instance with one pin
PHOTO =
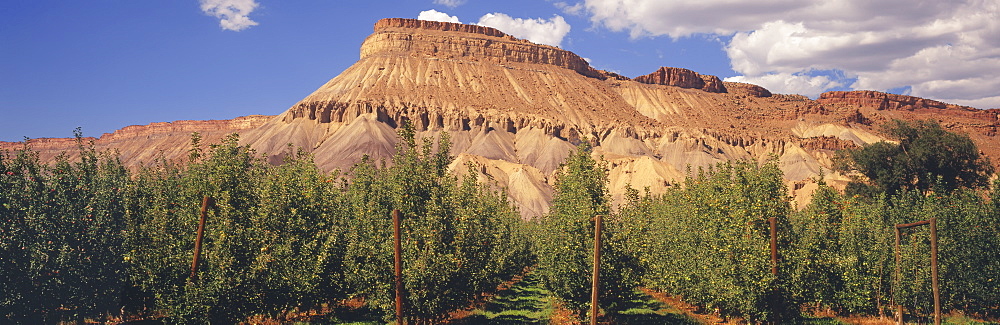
(683, 78)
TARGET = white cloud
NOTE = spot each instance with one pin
(573, 10)
(941, 49)
(542, 31)
(791, 83)
(232, 14)
(450, 3)
(434, 15)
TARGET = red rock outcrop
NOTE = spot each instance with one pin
(676, 77)
(881, 101)
(712, 84)
(885, 101)
(388, 23)
(186, 127)
(739, 88)
(826, 143)
(141, 144)
(683, 78)
(442, 40)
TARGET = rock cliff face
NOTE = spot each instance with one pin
(747, 89)
(884, 101)
(683, 78)
(443, 40)
(712, 84)
(142, 144)
(516, 109)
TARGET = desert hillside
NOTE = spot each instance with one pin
(516, 109)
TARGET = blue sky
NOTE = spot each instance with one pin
(106, 64)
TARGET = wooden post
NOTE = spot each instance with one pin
(597, 269)
(934, 267)
(205, 202)
(897, 281)
(398, 249)
(934, 272)
(774, 244)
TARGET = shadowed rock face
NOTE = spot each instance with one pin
(683, 78)
(516, 109)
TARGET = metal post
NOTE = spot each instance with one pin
(597, 269)
(934, 272)
(774, 244)
(897, 281)
(398, 265)
(205, 202)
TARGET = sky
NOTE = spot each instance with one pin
(101, 65)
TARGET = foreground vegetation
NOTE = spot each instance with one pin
(83, 239)
(90, 238)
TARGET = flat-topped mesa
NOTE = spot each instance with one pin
(388, 23)
(683, 78)
(740, 88)
(451, 41)
(885, 101)
(187, 127)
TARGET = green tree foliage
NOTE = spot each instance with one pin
(708, 240)
(271, 242)
(565, 238)
(842, 253)
(968, 242)
(839, 254)
(61, 236)
(460, 239)
(85, 237)
(926, 156)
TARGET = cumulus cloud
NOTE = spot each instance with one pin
(574, 10)
(796, 83)
(940, 49)
(232, 14)
(450, 3)
(434, 15)
(542, 31)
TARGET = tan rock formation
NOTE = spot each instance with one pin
(746, 89)
(683, 78)
(885, 101)
(142, 144)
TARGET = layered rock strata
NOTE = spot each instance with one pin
(683, 78)
(741, 88)
(885, 101)
(142, 144)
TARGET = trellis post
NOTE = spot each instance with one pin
(934, 267)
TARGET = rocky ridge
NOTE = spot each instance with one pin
(141, 144)
(683, 78)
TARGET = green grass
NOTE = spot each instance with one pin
(524, 303)
(964, 320)
(643, 309)
(528, 303)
